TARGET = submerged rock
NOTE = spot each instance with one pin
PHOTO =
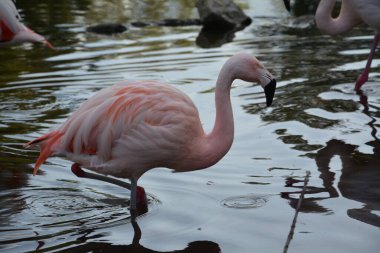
(220, 20)
(178, 22)
(141, 24)
(209, 38)
(107, 29)
(221, 15)
(167, 22)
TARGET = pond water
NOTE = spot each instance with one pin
(244, 203)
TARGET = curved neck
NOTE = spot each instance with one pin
(219, 141)
(347, 19)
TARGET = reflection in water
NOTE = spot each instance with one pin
(359, 180)
(13, 176)
(136, 247)
(372, 124)
(211, 38)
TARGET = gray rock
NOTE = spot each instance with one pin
(107, 29)
(221, 15)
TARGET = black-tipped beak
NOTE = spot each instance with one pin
(287, 4)
(269, 90)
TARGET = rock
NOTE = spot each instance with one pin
(107, 29)
(179, 22)
(208, 38)
(221, 15)
(141, 24)
(167, 22)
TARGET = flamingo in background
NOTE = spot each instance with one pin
(12, 31)
(131, 127)
(352, 13)
(287, 4)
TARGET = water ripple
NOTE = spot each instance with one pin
(246, 201)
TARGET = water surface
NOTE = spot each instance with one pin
(244, 203)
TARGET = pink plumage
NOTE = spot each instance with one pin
(109, 131)
(131, 127)
(352, 13)
(12, 30)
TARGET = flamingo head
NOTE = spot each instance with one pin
(248, 68)
(269, 90)
(28, 35)
(265, 79)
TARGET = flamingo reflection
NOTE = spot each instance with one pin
(136, 247)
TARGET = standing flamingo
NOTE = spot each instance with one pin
(131, 127)
(12, 31)
(352, 13)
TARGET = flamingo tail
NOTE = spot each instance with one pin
(46, 144)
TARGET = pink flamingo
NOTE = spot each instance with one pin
(352, 13)
(12, 31)
(131, 127)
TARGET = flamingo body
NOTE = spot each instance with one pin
(12, 30)
(111, 130)
(368, 10)
(352, 13)
(131, 127)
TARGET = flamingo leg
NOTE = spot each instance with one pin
(138, 200)
(364, 76)
(77, 170)
(133, 195)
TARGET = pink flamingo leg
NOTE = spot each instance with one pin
(364, 76)
(138, 200)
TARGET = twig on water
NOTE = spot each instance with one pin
(291, 232)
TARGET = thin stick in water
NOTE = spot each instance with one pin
(293, 226)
